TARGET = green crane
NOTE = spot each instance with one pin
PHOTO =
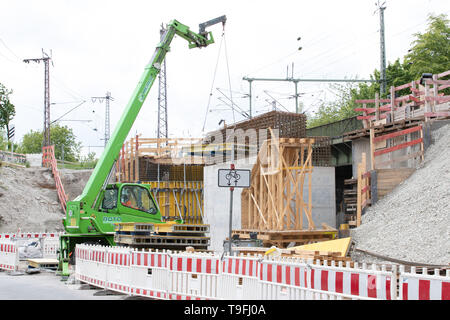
(91, 216)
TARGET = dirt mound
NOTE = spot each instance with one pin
(28, 198)
(412, 222)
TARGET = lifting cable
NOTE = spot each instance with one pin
(229, 79)
(214, 77)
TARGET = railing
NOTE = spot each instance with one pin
(377, 150)
(183, 275)
(13, 157)
(425, 100)
(49, 160)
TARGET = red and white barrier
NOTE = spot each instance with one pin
(30, 235)
(149, 274)
(118, 268)
(283, 278)
(9, 255)
(92, 265)
(48, 240)
(415, 286)
(239, 278)
(183, 275)
(193, 276)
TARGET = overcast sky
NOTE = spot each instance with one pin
(99, 46)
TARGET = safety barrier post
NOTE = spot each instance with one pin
(416, 286)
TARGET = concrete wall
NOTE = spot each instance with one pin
(217, 200)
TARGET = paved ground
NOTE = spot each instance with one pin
(46, 285)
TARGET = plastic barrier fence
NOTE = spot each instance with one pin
(49, 241)
(239, 278)
(118, 269)
(415, 286)
(183, 275)
(287, 279)
(91, 265)
(193, 276)
(9, 255)
(149, 274)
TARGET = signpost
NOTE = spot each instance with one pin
(11, 133)
(233, 178)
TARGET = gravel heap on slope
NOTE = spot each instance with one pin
(412, 222)
(29, 201)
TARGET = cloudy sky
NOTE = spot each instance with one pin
(99, 46)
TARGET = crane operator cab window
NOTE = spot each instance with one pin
(138, 198)
(110, 199)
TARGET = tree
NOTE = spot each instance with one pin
(7, 109)
(431, 50)
(430, 53)
(62, 137)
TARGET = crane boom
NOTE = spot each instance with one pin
(110, 154)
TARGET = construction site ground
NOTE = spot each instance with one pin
(44, 285)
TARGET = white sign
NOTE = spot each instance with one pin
(237, 178)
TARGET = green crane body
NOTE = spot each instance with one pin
(90, 217)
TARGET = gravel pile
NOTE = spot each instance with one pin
(412, 222)
(29, 201)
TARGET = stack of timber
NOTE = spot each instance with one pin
(170, 235)
(333, 250)
(350, 199)
(273, 207)
(283, 238)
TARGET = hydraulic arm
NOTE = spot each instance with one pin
(108, 157)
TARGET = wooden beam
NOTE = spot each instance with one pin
(398, 147)
(397, 133)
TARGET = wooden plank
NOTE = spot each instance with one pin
(443, 74)
(398, 147)
(372, 149)
(358, 208)
(397, 133)
(437, 114)
(372, 101)
(403, 86)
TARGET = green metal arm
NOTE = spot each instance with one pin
(112, 149)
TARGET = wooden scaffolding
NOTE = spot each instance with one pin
(275, 200)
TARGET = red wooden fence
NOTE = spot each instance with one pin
(49, 160)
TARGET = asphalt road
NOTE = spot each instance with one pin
(49, 286)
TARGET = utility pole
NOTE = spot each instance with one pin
(381, 9)
(46, 59)
(163, 129)
(107, 118)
